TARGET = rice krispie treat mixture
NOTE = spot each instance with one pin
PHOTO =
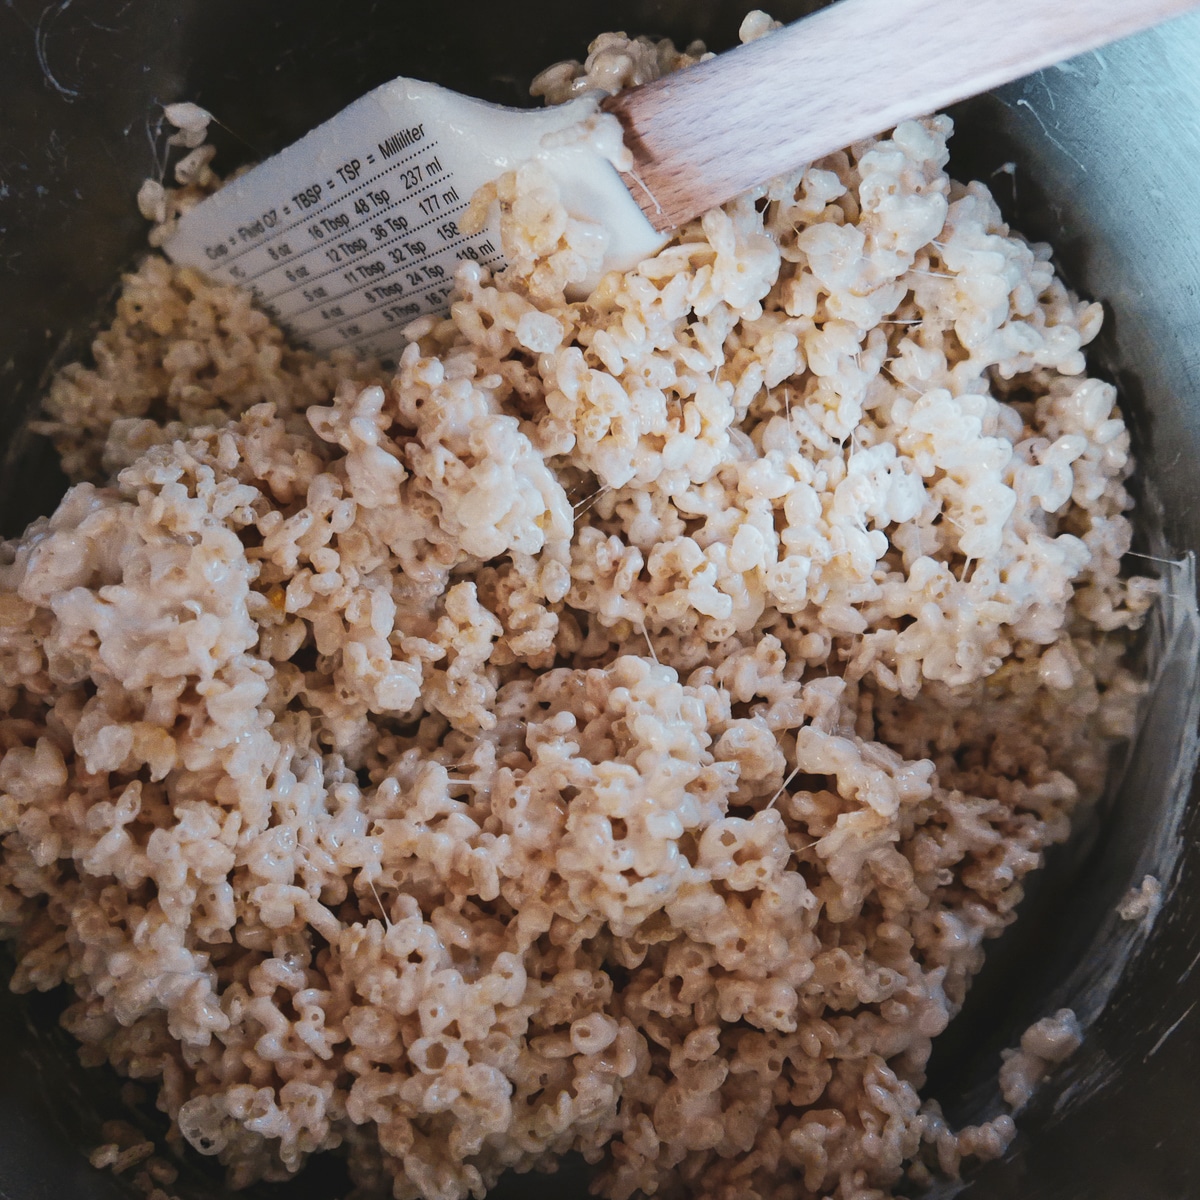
(618, 730)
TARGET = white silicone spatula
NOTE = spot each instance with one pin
(351, 233)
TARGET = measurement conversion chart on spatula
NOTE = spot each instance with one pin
(353, 232)
(345, 257)
(341, 248)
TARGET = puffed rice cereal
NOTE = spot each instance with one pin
(618, 730)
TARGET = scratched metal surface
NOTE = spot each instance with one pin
(1107, 149)
(1105, 152)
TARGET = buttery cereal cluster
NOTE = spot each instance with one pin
(618, 731)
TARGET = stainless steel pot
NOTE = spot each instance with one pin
(1107, 168)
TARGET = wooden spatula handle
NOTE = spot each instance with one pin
(705, 134)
